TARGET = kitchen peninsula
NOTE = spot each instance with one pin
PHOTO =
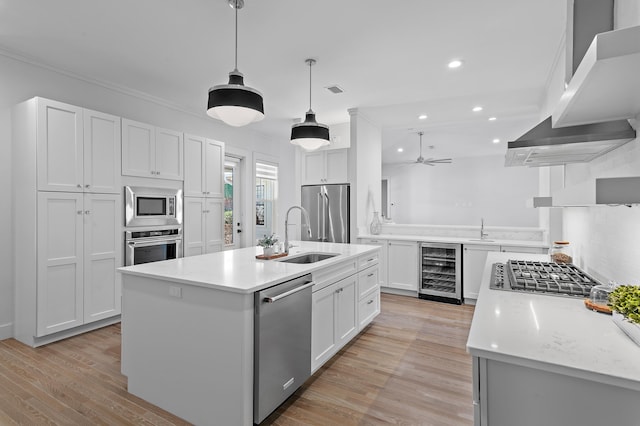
(547, 360)
(188, 324)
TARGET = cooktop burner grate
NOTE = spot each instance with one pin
(541, 277)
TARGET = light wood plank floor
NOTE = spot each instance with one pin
(409, 367)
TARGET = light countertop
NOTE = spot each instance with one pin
(551, 333)
(239, 271)
(456, 240)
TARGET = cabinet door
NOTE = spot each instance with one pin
(214, 218)
(336, 166)
(474, 257)
(214, 169)
(323, 326)
(169, 152)
(519, 249)
(102, 156)
(403, 265)
(346, 313)
(59, 283)
(313, 169)
(194, 164)
(102, 255)
(138, 149)
(59, 147)
(194, 226)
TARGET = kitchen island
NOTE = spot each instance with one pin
(547, 360)
(188, 324)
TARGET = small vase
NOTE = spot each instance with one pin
(267, 251)
(375, 226)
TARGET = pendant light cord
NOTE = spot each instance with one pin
(310, 64)
(236, 56)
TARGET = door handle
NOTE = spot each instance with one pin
(287, 293)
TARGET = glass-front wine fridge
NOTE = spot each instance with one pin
(441, 272)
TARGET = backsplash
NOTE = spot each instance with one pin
(606, 239)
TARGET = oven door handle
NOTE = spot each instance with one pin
(154, 242)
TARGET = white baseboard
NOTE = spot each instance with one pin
(6, 331)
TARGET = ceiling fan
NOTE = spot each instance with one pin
(429, 161)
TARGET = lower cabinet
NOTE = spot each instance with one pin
(203, 225)
(334, 319)
(342, 309)
(66, 277)
(383, 244)
(474, 256)
(402, 265)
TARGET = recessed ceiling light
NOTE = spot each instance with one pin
(477, 108)
(492, 119)
(422, 117)
(456, 63)
(496, 141)
(400, 150)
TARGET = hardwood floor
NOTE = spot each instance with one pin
(409, 367)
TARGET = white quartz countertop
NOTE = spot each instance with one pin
(239, 271)
(456, 240)
(556, 334)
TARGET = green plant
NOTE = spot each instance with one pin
(625, 299)
(228, 216)
(268, 241)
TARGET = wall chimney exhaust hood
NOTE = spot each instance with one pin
(545, 146)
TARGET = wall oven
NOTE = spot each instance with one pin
(152, 206)
(144, 246)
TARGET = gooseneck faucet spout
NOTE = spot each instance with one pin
(286, 226)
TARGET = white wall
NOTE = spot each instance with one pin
(606, 240)
(21, 80)
(462, 192)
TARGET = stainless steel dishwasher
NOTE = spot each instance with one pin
(282, 343)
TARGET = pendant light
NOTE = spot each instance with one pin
(310, 134)
(234, 103)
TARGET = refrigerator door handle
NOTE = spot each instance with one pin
(320, 201)
(328, 210)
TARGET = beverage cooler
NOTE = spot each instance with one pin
(441, 272)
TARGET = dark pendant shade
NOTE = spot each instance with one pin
(234, 103)
(310, 134)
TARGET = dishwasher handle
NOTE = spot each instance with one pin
(274, 299)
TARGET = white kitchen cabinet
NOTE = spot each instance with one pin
(149, 151)
(383, 255)
(368, 295)
(474, 257)
(334, 319)
(324, 167)
(78, 250)
(78, 150)
(203, 167)
(203, 225)
(403, 265)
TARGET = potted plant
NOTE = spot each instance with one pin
(624, 301)
(267, 243)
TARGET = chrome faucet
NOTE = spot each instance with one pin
(286, 226)
(482, 233)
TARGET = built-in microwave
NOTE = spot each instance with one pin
(152, 206)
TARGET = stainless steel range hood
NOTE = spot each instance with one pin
(545, 146)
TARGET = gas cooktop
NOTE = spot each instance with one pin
(541, 277)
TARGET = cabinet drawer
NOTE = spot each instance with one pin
(367, 281)
(368, 260)
(327, 276)
(368, 309)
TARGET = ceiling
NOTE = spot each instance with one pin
(389, 57)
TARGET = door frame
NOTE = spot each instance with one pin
(247, 195)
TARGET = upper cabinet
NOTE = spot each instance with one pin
(148, 151)
(203, 167)
(78, 150)
(606, 84)
(324, 167)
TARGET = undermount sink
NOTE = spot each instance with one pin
(483, 240)
(308, 257)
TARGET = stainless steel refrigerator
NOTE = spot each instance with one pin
(328, 208)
